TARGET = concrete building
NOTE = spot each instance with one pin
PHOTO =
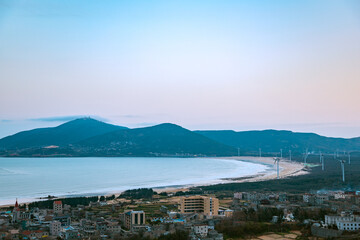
(134, 218)
(16, 213)
(199, 204)
(346, 222)
(57, 206)
(201, 230)
(349, 225)
(228, 213)
(64, 220)
(55, 228)
(238, 195)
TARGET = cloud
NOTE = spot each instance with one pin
(129, 116)
(65, 118)
(319, 124)
(5, 120)
(145, 124)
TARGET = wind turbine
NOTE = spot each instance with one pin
(343, 169)
(290, 155)
(277, 160)
(238, 151)
(306, 156)
(349, 157)
(322, 162)
(260, 152)
(280, 153)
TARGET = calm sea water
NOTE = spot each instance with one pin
(30, 178)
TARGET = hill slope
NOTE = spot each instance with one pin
(62, 135)
(273, 141)
(160, 140)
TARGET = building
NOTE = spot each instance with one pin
(228, 213)
(238, 195)
(57, 206)
(201, 230)
(69, 233)
(16, 213)
(134, 218)
(346, 222)
(321, 198)
(37, 234)
(199, 204)
(349, 225)
(55, 228)
(64, 220)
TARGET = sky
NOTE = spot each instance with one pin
(239, 65)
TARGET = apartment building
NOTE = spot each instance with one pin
(199, 204)
(134, 218)
(57, 206)
(55, 228)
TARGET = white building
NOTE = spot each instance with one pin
(344, 222)
(349, 225)
(339, 195)
(307, 198)
(238, 195)
(201, 229)
(55, 228)
(57, 206)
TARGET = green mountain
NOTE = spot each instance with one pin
(274, 140)
(62, 135)
(89, 137)
(160, 140)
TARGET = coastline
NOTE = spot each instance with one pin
(287, 169)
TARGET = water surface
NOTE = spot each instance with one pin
(29, 178)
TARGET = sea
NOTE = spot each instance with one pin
(28, 179)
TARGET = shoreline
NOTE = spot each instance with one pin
(287, 169)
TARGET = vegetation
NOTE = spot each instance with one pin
(62, 135)
(330, 179)
(73, 202)
(140, 193)
(234, 229)
(271, 141)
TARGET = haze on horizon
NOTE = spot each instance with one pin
(238, 65)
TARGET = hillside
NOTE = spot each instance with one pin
(89, 137)
(62, 135)
(160, 140)
(273, 141)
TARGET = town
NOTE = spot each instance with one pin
(145, 214)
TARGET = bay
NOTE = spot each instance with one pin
(31, 178)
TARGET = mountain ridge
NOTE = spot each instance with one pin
(90, 137)
(64, 134)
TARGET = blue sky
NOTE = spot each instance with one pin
(201, 64)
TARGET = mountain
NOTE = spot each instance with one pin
(89, 137)
(63, 135)
(160, 140)
(274, 140)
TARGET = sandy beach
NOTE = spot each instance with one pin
(287, 169)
